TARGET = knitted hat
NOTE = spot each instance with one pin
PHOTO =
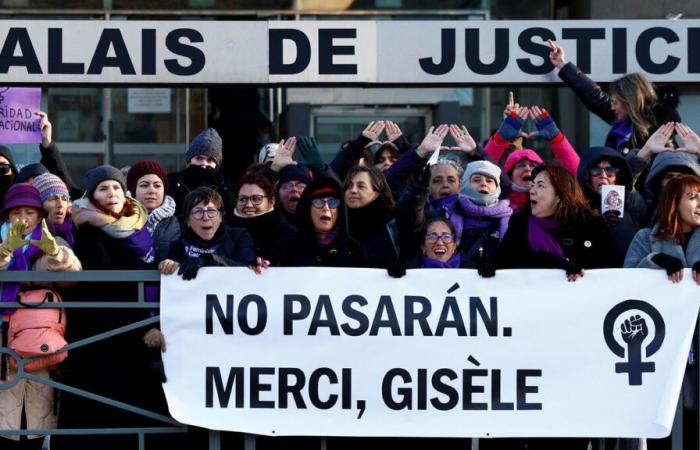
(142, 168)
(101, 173)
(29, 171)
(484, 167)
(267, 150)
(293, 173)
(207, 143)
(49, 185)
(487, 169)
(21, 194)
(518, 155)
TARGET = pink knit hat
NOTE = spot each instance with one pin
(518, 155)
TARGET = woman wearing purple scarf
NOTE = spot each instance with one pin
(27, 244)
(439, 245)
(634, 108)
(480, 218)
(557, 229)
(110, 234)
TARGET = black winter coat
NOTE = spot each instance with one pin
(270, 233)
(303, 250)
(234, 246)
(374, 227)
(116, 367)
(588, 244)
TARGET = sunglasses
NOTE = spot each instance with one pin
(609, 171)
(319, 203)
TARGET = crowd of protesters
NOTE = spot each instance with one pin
(387, 204)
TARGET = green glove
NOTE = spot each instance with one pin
(47, 243)
(310, 153)
(15, 238)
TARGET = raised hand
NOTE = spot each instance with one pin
(546, 128)
(691, 141)
(15, 238)
(284, 155)
(47, 243)
(374, 130)
(46, 129)
(393, 132)
(511, 105)
(658, 142)
(465, 143)
(557, 56)
(433, 140)
(513, 123)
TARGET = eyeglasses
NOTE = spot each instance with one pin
(319, 203)
(198, 213)
(256, 200)
(445, 237)
(609, 171)
(525, 165)
(289, 185)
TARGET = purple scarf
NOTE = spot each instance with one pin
(21, 261)
(622, 131)
(452, 263)
(65, 230)
(329, 238)
(483, 217)
(539, 236)
(141, 243)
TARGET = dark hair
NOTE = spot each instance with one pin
(377, 180)
(668, 217)
(257, 179)
(432, 220)
(201, 195)
(572, 204)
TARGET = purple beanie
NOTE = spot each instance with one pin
(22, 194)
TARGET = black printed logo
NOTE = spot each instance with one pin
(634, 331)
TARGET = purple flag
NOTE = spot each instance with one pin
(18, 122)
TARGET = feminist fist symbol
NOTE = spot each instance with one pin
(634, 331)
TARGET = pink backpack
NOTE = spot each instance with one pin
(38, 331)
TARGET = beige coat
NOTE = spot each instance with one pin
(36, 398)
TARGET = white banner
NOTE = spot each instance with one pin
(353, 352)
(341, 52)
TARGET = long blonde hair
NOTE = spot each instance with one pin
(636, 92)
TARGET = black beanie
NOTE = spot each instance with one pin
(101, 173)
(31, 170)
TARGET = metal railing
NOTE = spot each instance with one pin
(170, 425)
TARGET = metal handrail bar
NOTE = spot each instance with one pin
(243, 12)
(96, 276)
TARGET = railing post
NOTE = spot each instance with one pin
(248, 441)
(214, 440)
(677, 432)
